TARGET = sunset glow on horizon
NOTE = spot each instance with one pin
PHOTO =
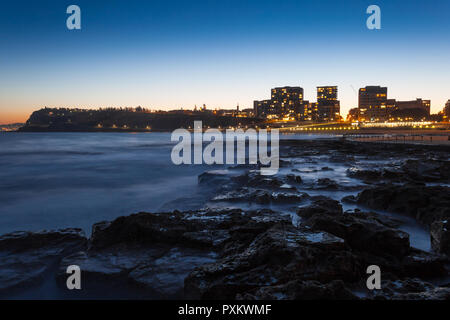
(175, 55)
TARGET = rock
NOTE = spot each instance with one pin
(395, 288)
(166, 274)
(279, 255)
(245, 194)
(359, 231)
(256, 180)
(322, 205)
(428, 171)
(326, 183)
(423, 264)
(302, 290)
(385, 220)
(410, 289)
(426, 204)
(288, 187)
(285, 197)
(349, 199)
(294, 178)
(156, 252)
(341, 158)
(191, 228)
(438, 293)
(284, 163)
(394, 174)
(246, 166)
(366, 235)
(111, 263)
(440, 236)
(26, 257)
(259, 254)
(159, 269)
(309, 170)
(366, 175)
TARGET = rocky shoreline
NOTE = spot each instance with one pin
(288, 236)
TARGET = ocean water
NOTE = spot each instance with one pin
(57, 180)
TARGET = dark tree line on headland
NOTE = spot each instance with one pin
(127, 119)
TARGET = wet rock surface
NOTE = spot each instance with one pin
(310, 232)
(245, 194)
(26, 257)
(440, 236)
(424, 203)
(411, 289)
(361, 232)
(276, 256)
(302, 290)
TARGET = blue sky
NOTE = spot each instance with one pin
(171, 54)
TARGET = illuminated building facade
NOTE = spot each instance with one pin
(288, 103)
(285, 101)
(447, 111)
(326, 95)
(263, 108)
(373, 103)
(328, 104)
(374, 106)
(414, 104)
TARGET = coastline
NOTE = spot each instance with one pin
(277, 237)
(382, 135)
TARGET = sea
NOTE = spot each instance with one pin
(60, 180)
(73, 180)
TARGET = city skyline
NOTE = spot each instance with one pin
(203, 105)
(166, 57)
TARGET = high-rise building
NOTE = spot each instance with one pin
(313, 112)
(262, 108)
(371, 96)
(287, 102)
(287, 99)
(446, 111)
(284, 101)
(372, 103)
(328, 104)
(308, 111)
(326, 95)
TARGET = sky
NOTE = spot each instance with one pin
(172, 54)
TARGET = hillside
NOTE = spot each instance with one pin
(62, 119)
